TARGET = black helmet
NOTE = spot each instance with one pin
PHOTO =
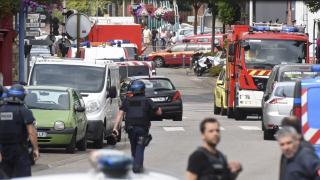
(137, 87)
(17, 93)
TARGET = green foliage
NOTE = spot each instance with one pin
(228, 11)
(79, 5)
(313, 5)
(58, 14)
(8, 7)
(215, 71)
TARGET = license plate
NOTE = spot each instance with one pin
(159, 99)
(42, 134)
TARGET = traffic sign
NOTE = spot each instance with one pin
(33, 16)
(33, 25)
(71, 25)
(43, 16)
(33, 33)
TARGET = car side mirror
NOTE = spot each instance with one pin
(112, 92)
(79, 108)
(266, 97)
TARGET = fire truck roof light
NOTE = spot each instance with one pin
(315, 68)
(274, 27)
(116, 41)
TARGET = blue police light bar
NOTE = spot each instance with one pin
(115, 42)
(289, 29)
(261, 28)
(315, 68)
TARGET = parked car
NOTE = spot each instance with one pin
(161, 91)
(174, 54)
(287, 72)
(98, 84)
(278, 106)
(219, 94)
(60, 114)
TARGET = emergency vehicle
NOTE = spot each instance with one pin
(252, 53)
(136, 68)
(306, 107)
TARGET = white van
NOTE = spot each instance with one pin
(98, 84)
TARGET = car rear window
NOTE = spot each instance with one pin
(294, 75)
(158, 84)
(284, 91)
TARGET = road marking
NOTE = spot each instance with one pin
(222, 128)
(184, 117)
(250, 128)
(170, 129)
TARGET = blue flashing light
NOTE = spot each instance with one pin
(114, 162)
(315, 68)
(116, 42)
(289, 29)
(261, 28)
(86, 43)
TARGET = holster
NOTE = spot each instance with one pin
(147, 140)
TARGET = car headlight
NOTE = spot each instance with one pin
(92, 106)
(58, 125)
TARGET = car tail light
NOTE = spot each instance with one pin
(177, 96)
(297, 111)
(129, 94)
(278, 101)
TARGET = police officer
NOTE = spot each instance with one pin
(137, 110)
(207, 162)
(16, 126)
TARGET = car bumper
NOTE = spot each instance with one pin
(272, 120)
(95, 128)
(171, 110)
(54, 137)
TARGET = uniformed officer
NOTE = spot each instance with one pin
(16, 126)
(138, 110)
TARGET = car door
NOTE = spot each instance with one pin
(80, 116)
(177, 54)
(220, 84)
(115, 82)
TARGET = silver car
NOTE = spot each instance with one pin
(278, 106)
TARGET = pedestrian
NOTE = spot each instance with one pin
(295, 123)
(16, 127)
(301, 163)
(173, 39)
(207, 162)
(146, 36)
(163, 38)
(137, 110)
(154, 38)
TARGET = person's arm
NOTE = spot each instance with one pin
(191, 176)
(311, 164)
(118, 122)
(156, 109)
(34, 140)
(235, 168)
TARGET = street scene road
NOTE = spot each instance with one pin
(173, 142)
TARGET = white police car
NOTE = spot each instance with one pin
(108, 165)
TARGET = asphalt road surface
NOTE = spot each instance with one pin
(173, 142)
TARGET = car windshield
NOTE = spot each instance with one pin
(284, 91)
(83, 78)
(294, 75)
(158, 85)
(132, 52)
(275, 51)
(47, 99)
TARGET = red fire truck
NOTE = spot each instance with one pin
(251, 54)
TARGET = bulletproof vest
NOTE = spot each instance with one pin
(138, 111)
(12, 128)
(218, 169)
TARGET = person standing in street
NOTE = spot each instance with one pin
(163, 38)
(208, 163)
(138, 111)
(154, 38)
(16, 127)
(146, 36)
(301, 163)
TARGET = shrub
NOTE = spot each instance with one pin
(215, 71)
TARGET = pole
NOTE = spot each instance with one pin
(21, 41)
(213, 12)
(313, 42)
(78, 35)
(251, 13)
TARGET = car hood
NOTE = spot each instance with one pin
(47, 118)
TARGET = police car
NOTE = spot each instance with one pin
(306, 107)
(108, 165)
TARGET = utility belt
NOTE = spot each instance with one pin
(145, 140)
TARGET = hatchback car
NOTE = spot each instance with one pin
(161, 91)
(60, 117)
(278, 106)
(174, 55)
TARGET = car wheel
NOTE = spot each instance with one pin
(159, 62)
(223, 111)
(71, 148)
(239, 115)
(216, 110)
(98, 143)
(229, 112)
(178, 118)
(82, 144)
(268, 134)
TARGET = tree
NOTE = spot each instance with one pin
(313, 5)
(228, 12)
(196, 4)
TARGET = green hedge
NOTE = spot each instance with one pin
(215, 71)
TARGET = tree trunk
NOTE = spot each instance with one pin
(223, 28)
(213, 26)
(289, 14)
(196, 9)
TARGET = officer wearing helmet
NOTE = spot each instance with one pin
(16, 126)
(137, 110)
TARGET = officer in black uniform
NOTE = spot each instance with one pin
(16, 126)
(138, 110)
